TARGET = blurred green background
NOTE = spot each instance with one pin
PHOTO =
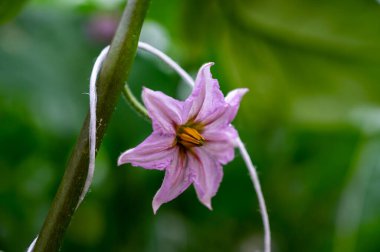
(311, 122)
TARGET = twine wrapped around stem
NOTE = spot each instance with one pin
(110, 84)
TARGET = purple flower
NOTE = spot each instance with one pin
(191, 139)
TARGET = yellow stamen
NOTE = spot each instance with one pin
(189, 137)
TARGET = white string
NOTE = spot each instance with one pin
(92, 127)
(170, 62)
(92, 130)
(252, 171)
(93, 99)
(31, 246)
(190, 81)
(247, 159)
(256, 184)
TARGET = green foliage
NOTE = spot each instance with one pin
(10, 8)
(310, 121)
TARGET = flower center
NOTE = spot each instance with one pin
(189, 137)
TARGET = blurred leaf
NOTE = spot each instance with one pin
(308, 66)
(310, 63)
(313, 73)
(10, 8)
(358, 220)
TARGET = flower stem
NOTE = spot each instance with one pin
(110, 83)
(256, 184)
(134, 103)
(128, 95)
(252, 171)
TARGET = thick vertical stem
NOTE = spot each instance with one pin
(110, 84)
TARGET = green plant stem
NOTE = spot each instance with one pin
(135, 104)
(110, 84)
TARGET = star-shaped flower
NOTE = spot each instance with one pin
(191, 139)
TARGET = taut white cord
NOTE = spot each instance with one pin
(168, 61)
(92, 127)
(251, 168)
(93, 98)
(31, 246)
(92, 131)
(190, 81)
(256, 184)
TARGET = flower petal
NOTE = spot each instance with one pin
(220, 144)
(225, 116)
(177, 179)
(164, 111)
(156, 152)
(233, 99)
(208, 174)
(206, 98)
